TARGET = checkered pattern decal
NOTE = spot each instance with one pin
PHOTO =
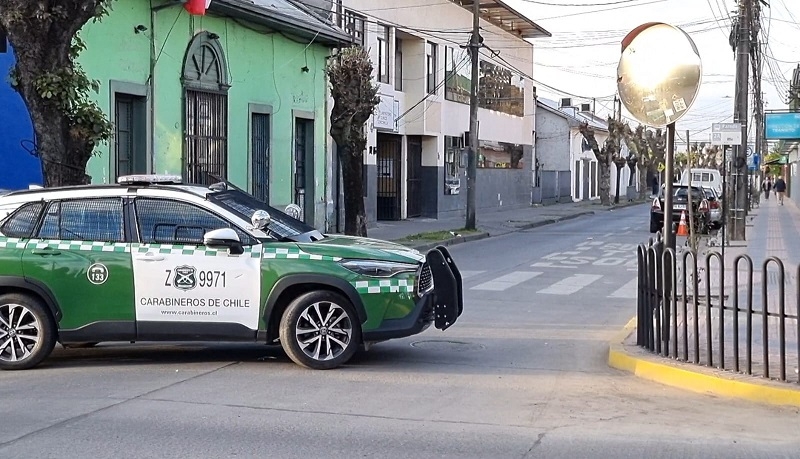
(83, 246)
(12, 243)
(171, 249)
(294, 253)
(385, 286)
(182, 249)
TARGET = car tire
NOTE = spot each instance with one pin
(306, 334)
(26, 328)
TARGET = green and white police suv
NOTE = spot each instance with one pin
(152, 259)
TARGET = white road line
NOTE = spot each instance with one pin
(507, 281)
(627, 291)
(542, 264)
(468, 274)
(571, 284)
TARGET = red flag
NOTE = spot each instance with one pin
(197, 7)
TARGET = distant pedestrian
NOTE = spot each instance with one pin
(766, 187)
(780, 189)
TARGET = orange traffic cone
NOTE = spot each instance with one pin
(683, 230)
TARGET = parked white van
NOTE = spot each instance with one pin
(710, 178)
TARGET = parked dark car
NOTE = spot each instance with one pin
(680, 200)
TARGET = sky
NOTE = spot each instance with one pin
(582, 55)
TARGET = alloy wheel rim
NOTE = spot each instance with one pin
(20, 332)
(324, 330)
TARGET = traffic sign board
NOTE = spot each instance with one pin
(726, 134)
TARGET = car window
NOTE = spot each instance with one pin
(683, 191)
(164, 221)
(22, 222)
(245, 205)
(84, 220)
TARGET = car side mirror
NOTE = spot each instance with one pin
(224, 238)
(260, 220)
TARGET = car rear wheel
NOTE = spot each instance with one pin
(319, 330)
(27, 332)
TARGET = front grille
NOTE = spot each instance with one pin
(424, 279)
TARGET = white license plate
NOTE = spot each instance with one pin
(679, 206)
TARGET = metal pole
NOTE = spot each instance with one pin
(472, 162)
(669, 160)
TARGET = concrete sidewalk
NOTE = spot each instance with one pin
(489, 223)
(771, 231)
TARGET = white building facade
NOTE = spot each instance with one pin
(415, 165)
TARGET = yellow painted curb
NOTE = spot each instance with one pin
(693, 381)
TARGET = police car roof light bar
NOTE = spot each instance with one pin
(150, 179)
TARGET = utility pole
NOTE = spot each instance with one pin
(475, 44)
(758, 98)
(739, 164)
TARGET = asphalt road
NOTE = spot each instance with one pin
(522, 374)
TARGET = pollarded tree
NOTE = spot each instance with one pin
(54, 87)
(354, 100)
(640, 142)
(606, 155)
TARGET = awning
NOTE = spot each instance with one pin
(500, 14)
(782, 161)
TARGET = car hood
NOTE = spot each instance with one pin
(336, 245)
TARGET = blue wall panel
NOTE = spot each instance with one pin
(18, 168)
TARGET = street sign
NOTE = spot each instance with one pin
(726, 134)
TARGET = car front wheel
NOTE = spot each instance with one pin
(319, 330)
(27, 332)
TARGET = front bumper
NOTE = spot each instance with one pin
(441, 305)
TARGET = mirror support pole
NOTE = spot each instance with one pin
(669, 177)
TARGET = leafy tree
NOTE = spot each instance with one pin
(54, 87)
(606, 155)
(354, 100)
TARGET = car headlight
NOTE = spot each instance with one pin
(374, 268)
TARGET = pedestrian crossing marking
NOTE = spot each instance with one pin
(467, 274)
(628, 290)
(507, 281)
(571, 284)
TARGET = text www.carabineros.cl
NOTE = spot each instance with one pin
(188, 313)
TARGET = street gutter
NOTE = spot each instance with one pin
(428, 245)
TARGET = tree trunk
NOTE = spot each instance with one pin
(355, 220)
(604, 185)
(644, 187)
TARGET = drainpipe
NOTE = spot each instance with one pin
(151, 89)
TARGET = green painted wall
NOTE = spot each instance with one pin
(264, 67)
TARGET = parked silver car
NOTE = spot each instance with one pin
(714, 207)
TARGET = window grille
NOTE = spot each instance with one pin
(23, 221)
(162, 221)
(84, 220)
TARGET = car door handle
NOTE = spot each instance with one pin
(151, 258)
(45, 251)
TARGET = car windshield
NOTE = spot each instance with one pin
(682, 192)
(710, 193)
(282, 225)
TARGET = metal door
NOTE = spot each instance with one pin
(414, 180)
(259, 155)
(586, 180)
(304, 168)
(389, 174)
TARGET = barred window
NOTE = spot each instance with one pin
(163, 221)
(22, 222)
(84, 220)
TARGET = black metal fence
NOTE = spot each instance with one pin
(701, 310)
